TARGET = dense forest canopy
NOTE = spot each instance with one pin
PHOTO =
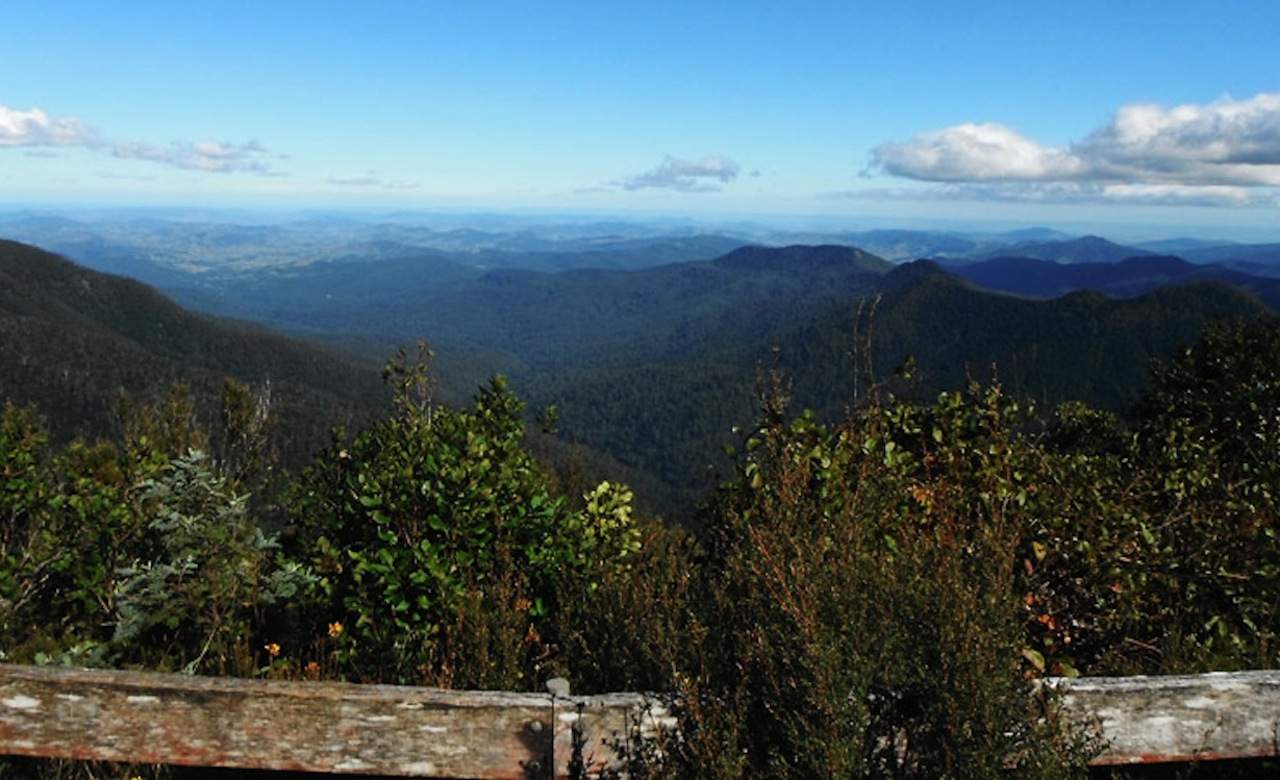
(648, 369)
(1082, 485)
(837, 378)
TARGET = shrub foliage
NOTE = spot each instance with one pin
(873, 597)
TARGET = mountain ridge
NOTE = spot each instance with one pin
(1126, 278)
(74, 338)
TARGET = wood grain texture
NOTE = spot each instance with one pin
(314, 727)
(391, 730)
(1174, 719)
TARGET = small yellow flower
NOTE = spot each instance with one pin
(272, 649)
(313, 670)
(335, 630)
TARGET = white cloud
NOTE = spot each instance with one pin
(1226, 152)
(1190, 195)
(1227, 142)
(207, 156)
(972, 152)
(37, 131)
(1070, 192)
(36, 128)
(684, 175)
(373, 180)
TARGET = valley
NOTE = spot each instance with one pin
(650, 364)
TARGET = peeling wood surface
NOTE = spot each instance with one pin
(259, 724)
(1175, 719)
(390, 730)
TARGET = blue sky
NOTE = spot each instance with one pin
(1017, 111)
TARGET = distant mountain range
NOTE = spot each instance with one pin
(650, 368)
(1171, 246)
(1086, 249)
(531, 322)
(1259, 259)
(193, 253)
(196, 250)
(1123, 279)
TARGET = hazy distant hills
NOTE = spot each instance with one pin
(1173, 246)
(528, 322)
(904, 245)
(199, 253)
(204, 251)
(1259, 259)
(1256, 259)
(1127, 278)
(610, 253)
(651, 366)
(1086, 249)
(74, 338)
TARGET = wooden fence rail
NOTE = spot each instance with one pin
(391, 730)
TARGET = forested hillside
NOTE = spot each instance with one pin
(471, 545)
(1086, 249)
(74, 338)
(649, 370)
(1129, 277)
(533, 322)
(915, 568)
(672, 417)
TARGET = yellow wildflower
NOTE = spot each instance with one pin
(335, 630)
(272, 649)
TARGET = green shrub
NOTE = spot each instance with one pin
(436, 527)
(872, 598)
(202, 578)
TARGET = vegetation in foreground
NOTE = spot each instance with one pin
(909, 570)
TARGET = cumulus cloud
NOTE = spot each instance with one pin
(973, 152)
(40, 133)
(36, 128)
(684, 175)
(1227, 142)
(207, 156)
(1070, 192)
(372, 180)
(1226, 152)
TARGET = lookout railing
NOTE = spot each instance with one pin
(342, 728)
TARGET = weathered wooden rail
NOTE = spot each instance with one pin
(1177, 719)
(391, 730)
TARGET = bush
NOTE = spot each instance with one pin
(873, 598)
(126, 556)
(435, 530)
(853, 609)
(200, 589)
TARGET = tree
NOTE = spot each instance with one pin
(435, 514)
